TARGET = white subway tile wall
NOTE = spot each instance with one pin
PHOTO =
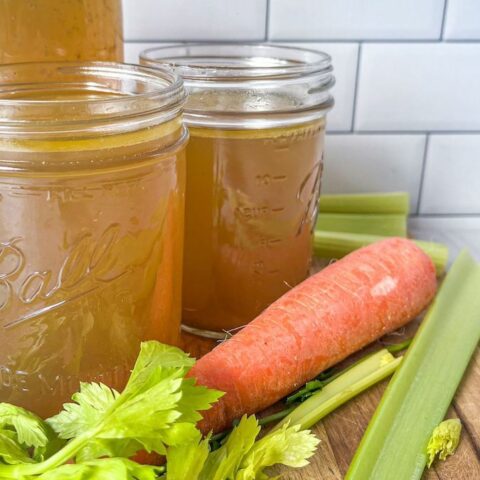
(463, 20)
(452, 175)
(194, 20)
(420, 87)
(374, 163)
(407, 113)
(354, 19)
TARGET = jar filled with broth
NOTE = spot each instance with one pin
(256, 115)
(92, 182)
(70, 30)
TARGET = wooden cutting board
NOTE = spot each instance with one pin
(341, 431)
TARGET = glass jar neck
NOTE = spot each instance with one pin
(52, 101)
(87, 116)
(249, 86)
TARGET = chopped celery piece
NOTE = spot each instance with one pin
(339, 244)
(389, 225)
(419, 394)
(444, 440)
(355, 380)
(380, 203)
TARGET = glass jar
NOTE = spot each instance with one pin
(256, 116)
(49, 30)
(92, 186)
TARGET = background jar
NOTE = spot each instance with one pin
(49, 30)
(256, 115)
(91, 204)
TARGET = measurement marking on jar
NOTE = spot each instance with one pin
(259, 268)
(252, 212)
(257, 212)
(284, 142)
(269, 242)
(65, 194)
(267, 179)
(22, 192)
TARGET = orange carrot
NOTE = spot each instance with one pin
(334, 313)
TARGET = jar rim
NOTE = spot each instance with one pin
(142, 91)
(248, 85)
(220, 61)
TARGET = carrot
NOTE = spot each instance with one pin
(334, 313)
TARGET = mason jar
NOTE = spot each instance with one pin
(56, 30)
(256, 116)
(92, 184)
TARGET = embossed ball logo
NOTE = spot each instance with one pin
(89, 263)
(11, 262)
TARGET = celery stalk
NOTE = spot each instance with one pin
(355, 380)
(339, 244)
(380, 203)
(337, 389)
(389, 225)
(419, 394)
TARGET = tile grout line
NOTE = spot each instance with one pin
(267, 20)
(355, 90)
(406, 132)
(399, 41)
(444, 17)
(254, 39)
(422, 174)
(446, 215)
(388, 41)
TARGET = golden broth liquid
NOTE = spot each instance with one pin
(42, 30)
(250, 211)
(89, 261)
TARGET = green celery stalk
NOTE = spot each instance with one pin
(379, 203)
(394, 225)
(339, 244)
(419, 394)
(355, 380)
(349, 382)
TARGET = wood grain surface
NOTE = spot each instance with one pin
(341, 431)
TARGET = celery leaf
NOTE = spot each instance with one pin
(11, 452)
(225, 462)
(287, 446)
(195, 398)
(158, 407)
(187, 460)
(30, 429)
(89, 407)
(24, 437)
(244, 458)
